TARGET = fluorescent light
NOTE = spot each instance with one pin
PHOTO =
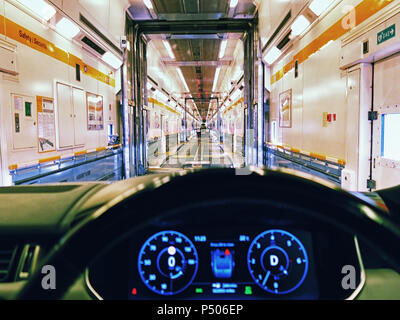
(319, 6)
(67, 28)
(112, 60)
(182, 78)
(299, 25)
(233, 3)
(272, 55)
(222, 49)
(40, 7)
(216, 78)
(148, 4)
(169, 49)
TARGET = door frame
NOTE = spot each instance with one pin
(138, 31)
(377, 159)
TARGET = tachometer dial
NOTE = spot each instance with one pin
(277, 261)
(168, 262)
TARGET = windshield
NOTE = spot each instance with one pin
(277, 84)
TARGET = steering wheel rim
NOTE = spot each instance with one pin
(95, 234)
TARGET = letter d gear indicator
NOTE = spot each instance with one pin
(277, 261)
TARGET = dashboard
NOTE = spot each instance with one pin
(239, 238)
(217, 254)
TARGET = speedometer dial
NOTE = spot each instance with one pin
(277, 261)
(168, 262)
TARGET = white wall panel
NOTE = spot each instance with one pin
(24, 124)
(321, 86)
(352, 131)
(98, 9)
(116, 24)
(65, 116)
(8, 58)
(80, 121)
(293, 136)
(2, 7)
(107, 15)
(324, 91)
(38, 74)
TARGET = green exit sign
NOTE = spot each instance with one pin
(387, 34)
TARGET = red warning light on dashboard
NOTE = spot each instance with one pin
(134, 291)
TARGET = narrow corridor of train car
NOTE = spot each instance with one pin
(129, 125)
(201, 140)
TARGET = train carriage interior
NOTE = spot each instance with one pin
(199, 149)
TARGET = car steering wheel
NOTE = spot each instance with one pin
(149, 197)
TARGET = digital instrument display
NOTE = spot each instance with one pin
(168, 263)
(271, 263)
(277, 261)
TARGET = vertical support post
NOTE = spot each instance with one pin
(139, 114)
(219, 122)
(140, 96)
(250, 143)
(143, 85)
(135, 102)
(185, 123)
(126, 141)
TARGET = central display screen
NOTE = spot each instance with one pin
(255, 264)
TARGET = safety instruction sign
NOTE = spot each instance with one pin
(285, 109)
(386, 34)
(46, 124)
(95, 111)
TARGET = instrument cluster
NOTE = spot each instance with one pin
(253, 264)
(211, 256)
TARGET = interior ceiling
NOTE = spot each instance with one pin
(204, 50)
(195, 9)
(169, 8)
(199, 79)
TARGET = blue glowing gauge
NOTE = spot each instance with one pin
(168, 263)
(277, 261)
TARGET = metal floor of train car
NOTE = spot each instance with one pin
(208, 152)
(204, 152)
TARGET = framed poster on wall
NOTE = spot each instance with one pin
(46, 124)
(285, 109)
(95, 111)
